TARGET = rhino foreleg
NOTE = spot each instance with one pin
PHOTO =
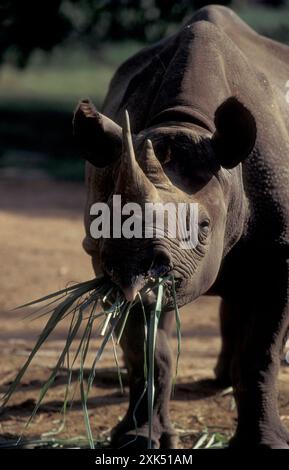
(229, 328)
(133, 431)
(256, 363)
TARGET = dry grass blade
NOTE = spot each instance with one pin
(208, 440)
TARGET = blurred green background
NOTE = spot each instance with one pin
(53, 53)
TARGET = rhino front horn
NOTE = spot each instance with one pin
(132, 183)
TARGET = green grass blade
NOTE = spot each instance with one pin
(36, 314)
(50, 325)
(67, 388)
(59, 363)
(134, 416)
(100, 351)
(117, 365)
(152, 334)
(126, 314)
(84, 396)
(87, 285)
(145, 338)
(91, 318)
(178, 328)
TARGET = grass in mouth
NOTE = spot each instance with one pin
(81, 302)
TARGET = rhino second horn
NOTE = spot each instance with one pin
(152, 167)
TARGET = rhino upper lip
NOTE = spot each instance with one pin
(150, 277)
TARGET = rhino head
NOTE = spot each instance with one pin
(169, 162)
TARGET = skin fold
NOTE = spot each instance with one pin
(209, 125)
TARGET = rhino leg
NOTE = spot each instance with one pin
(229, 332)
(126, 433)
(265, 322)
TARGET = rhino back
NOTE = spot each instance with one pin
(199, 59)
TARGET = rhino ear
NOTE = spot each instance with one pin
(235, 134)
(98, 138)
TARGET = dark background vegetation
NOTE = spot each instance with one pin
(53, 52)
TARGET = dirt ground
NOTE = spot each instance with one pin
(40, 252)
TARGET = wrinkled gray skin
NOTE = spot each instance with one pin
(211, 99)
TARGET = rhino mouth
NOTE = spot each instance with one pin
(143, 282)
(146, 267)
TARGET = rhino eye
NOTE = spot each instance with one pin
(204, 226)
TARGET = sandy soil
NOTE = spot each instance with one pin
(40, 251)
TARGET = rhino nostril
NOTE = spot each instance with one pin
(161, 264)
(108, 269)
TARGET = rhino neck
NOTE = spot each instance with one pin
(182, 114)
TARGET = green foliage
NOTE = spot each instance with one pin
(26, 26)
(271, 22)
(37, 101)
(32, 25)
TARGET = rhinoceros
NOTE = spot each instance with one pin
(210, 125)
